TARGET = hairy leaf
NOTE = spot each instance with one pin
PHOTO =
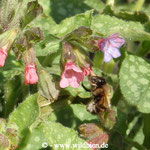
(135, 82)
(129, 30)
(73, 116)
(25, 114)
(65, 136)
(32, 11)
(72, 23)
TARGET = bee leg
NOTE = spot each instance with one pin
(86, 88)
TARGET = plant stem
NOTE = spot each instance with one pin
(146, 130)
(109, 67)
(139, 5)
(134, 144)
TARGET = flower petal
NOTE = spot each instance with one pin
(64, 83)
(72, 75)
(113, 35)
(114, 52)
(71, 65)
(74, 82)
(76, 69)
(107, 57)
(79, 76)
(116, 41)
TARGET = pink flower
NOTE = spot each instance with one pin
(3, 55)
(110, 46)
(30, 74)
(71, 75)
(87, 71)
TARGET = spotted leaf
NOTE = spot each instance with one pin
(135, 82)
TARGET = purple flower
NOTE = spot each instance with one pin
(110, 46)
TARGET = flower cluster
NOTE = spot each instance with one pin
(72, 75)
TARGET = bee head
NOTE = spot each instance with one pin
(97, 81)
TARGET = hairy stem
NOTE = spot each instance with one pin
(139, 5)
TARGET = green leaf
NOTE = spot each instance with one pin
(80, 91)
(121, 122)
(65, 136)
(34, 139)
(48, 87)
(146, 9)
(46, 6)
(126, 15)
(95, 4)
(73, 116)
(72, 23)
(83, 39)
(12, 68)
(143, 49)
(9, 13)
(12, 92)
(129, 30)
(34, 34)
(98, 59)
(135, 132)
(25, 114)
(30, 36)
(32, 11)
(81, 33)
(135, 82)
(49, 45)
(44, 23)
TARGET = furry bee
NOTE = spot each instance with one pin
(101, 92)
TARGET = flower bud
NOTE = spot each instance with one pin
(82, 58)
(67, 54)
(87, 71)
(7, 38)
(30, 74)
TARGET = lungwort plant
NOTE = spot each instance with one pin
(74, 74)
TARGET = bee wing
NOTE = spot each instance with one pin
(108, 95)
(103, 103)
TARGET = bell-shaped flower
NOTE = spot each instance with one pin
(110, 46)
(3, 55)
(31, 76)
(71, 75)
